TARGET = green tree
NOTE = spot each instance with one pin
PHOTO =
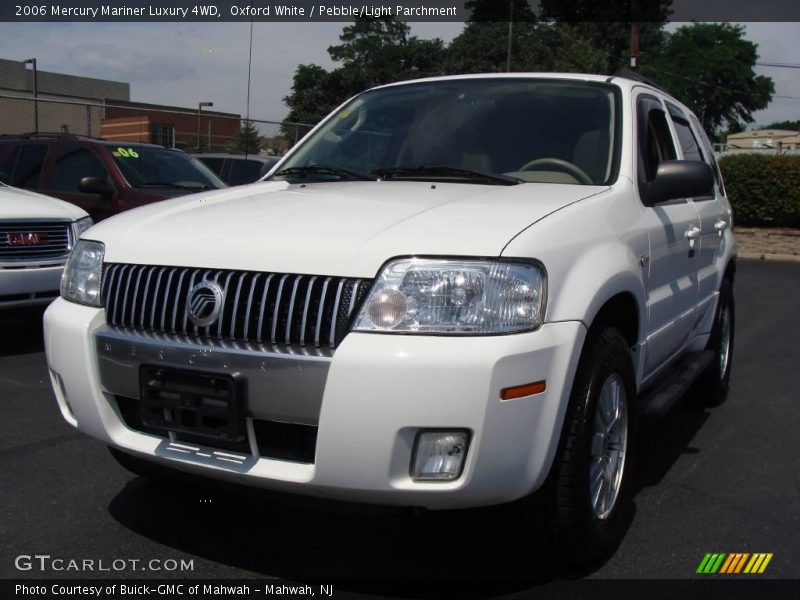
(483, 48)
(710, 68)
(371, 48)
(246, 139)
(560, 43)
(788, 125)
(313, 95)
(483, 45)
(378, 51)
(372, 52)
(605, 27)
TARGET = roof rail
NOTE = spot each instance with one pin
(51, 134)
(630, 74)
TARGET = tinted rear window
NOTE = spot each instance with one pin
(215, 164)
(244, 171)
(73, 163)
(21, 164)
(8, 158)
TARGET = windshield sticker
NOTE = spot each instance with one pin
(126, 153)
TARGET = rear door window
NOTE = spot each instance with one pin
(8, 158)
(690, 147)
(23, 165)
(244, 171)
(213, 163)
(695, 144)
(709, 152)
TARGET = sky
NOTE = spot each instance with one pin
(182, 64)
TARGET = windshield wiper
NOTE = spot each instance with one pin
(324, 169)
(444, 170)
(192, 188)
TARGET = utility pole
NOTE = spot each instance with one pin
(510, 34)
(32, 61)
(200, 106)
(634, 34)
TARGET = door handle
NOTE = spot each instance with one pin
(692, 233)
(720, 226)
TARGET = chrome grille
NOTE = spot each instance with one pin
(260, 308)
(34, 241)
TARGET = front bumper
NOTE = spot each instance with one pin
(368, 401)
(29, 286)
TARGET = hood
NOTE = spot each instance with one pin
(341, 228)
(16, 203)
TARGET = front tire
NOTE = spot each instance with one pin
(590, 484)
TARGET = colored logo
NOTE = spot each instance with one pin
(27, 239)
(734, 563)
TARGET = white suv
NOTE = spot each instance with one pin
(36, 235)
(454, 292)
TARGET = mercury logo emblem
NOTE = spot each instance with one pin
(204, 303)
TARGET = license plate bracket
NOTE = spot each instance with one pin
(208, 406)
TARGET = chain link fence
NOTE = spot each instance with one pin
(194, 130)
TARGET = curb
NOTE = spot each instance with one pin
(770, 257)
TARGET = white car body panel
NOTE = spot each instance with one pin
(16, 203)
(595, 242)
(345, 228)
(464, 374)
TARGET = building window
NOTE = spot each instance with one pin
(161, 134)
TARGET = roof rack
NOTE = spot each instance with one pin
(630, 74)
(51, 134)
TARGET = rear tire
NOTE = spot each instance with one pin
(712, 387)
(589, 489)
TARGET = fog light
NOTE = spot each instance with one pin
(387, 309)
(439, 455)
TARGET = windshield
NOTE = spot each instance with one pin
(492, 131)
(147, 166)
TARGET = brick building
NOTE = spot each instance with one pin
(169, 125)
(99, 107)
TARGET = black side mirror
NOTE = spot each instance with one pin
(96, 185)
(680, 179)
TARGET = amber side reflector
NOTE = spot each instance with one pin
(518, 391)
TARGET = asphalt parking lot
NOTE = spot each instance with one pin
(725, 480)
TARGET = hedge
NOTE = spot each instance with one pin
(764, 190)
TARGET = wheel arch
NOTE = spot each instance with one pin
(622, 312)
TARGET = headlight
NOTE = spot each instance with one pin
(419, 295)
(81, 279)
(79, 226)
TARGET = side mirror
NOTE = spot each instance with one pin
(96, 185)
(680, 179)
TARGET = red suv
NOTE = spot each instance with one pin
(102, 177)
